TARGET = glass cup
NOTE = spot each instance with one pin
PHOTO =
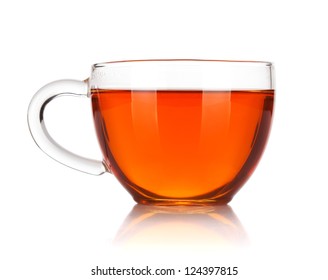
(173, 132)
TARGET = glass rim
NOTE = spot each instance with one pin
(223, 61)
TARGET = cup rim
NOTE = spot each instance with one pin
(258, 62)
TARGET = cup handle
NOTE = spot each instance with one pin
(40, 133)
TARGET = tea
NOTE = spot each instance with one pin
(183, 144)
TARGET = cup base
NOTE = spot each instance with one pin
(183, 202)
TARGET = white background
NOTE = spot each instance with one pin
(57, 223)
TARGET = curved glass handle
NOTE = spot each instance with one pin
(40, 133)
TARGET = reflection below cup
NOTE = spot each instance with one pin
(189, 227)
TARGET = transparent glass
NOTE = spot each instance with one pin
(173, 132)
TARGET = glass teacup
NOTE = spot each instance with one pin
(173, 132)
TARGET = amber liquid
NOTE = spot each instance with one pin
(180, 146)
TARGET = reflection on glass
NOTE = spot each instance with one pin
(192, 227)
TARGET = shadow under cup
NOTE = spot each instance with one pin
(182, 132)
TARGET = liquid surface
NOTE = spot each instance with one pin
(182, 144)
